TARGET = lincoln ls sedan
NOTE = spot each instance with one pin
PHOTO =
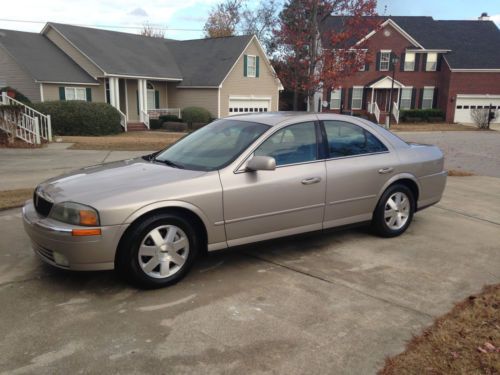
(238, 180)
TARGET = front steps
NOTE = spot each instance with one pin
(136, 127)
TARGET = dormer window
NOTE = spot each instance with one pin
(409, 62)
(431, 64)
(385, 58)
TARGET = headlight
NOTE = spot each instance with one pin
(75, 213)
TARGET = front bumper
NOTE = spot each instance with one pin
(53, 242)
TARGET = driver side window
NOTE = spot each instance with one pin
(291, 145)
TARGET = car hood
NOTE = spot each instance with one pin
(99, 182)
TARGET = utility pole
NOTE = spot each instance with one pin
(393, 62)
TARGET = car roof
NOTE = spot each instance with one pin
(276, 118)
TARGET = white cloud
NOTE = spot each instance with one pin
(496, 18)
(102, 13)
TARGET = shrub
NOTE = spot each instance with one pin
(195, 114)
(169, 118)
(155, 124)
(175, 126)
(411, 115)
(481, 117)
(17, 95)
(81, 118)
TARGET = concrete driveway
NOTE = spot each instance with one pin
(335, 303)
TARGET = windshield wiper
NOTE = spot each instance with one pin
(169, 163)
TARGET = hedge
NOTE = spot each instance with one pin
(422, 115)
(170, 118)
(77, 117)
(195, 115)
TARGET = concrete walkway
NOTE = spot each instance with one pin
(25, 168)
(333, 303)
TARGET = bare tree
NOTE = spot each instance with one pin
(481, 117)
(10, 116)
(223, 19)
(261, 21)
(151, 31)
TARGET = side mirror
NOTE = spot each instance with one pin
(261, 163)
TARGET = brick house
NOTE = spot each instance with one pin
(450, 65)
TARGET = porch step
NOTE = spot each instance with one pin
(136, 127)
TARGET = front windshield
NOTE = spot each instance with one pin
(214, 146)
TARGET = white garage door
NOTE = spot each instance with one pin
(466, 103)
(246, 105)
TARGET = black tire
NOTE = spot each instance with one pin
(379, 224)
(127, 258)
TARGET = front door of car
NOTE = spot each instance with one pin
(260, 205)
(358, 166)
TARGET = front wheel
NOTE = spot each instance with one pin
(158, 251)
(394, 211)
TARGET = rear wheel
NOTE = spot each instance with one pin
(158, 251)
(394, 211)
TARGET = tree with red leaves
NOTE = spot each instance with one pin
(311, 57)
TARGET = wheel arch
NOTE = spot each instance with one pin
(406, 179)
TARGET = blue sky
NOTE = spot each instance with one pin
(185, 18)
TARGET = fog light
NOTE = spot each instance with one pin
(61, 259)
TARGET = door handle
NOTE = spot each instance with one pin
(385, 170)
(310, 181)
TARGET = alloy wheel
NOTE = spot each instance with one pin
(397, 211)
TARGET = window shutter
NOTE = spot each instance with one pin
(413, 97)
(435, 98)
(424, 62)
(257, 66)
(367, 67)
(245, 62)
(62, 94)
(377, 67)
(349, 99)
(89, 94)
(417, 62)
(402, 62)
(438, 64)
(341, 100)
(363, 98)
(157, 99)
(421, 98)
(137, 99)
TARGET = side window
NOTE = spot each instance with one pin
(346, 139)
(290, 145)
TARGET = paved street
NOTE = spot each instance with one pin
(323, 303)
(472, 151)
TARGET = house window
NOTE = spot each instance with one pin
(335, 99)
(428, 97)
(406, 98)
(75, 93)
(409, 62)
(357, 97)
(385, 58)
(251, 65)
(151, 96)
(431, 64)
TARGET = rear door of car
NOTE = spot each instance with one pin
(259, 205)
(357, 167)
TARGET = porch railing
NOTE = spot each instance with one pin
(395, 112)
(376, 112)
(123, 120)
(156, 113)
(25, 125)
(144, 118)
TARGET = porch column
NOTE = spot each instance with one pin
(141, 89)
(114, 92)
(399, 93)
(371, 106)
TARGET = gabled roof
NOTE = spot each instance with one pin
(41, 59)
(122, 53)
(472, 44)
(206, 62)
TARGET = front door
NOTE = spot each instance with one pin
(382, 98)
(358, 166)
(260, 205)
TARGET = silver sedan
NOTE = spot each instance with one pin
(238, 180)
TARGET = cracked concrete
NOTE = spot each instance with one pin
(336, 302)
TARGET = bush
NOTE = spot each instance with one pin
(81, 118)
(173, 126)
(195, 115)
(18, 96)
(411, 115)
(170, 118)
(155, 124)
